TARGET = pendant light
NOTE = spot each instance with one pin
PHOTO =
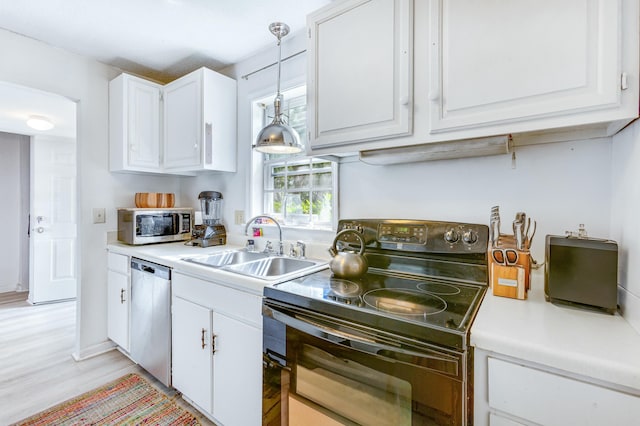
(278, 137)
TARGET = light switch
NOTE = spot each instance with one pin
(239, 217)
(99, 215)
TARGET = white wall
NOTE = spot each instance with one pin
(625, 219)
(33, 64)
(11, 213)
(559, 185)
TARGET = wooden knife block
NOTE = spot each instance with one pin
(511, 280)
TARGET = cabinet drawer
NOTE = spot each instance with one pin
(234, 303)
(548, 399)
(118, 263)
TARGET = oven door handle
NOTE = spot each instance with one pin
(448, 364)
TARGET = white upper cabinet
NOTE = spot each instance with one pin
(134, 124)
(359, 72)
(548, 62)
(397, 73)
(200, 122)
(186, 126)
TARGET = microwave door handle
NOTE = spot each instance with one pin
(363, 344)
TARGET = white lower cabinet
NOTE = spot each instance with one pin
(514, 392)
(217, 349)
(118, 299)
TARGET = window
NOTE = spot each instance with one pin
(296, 189)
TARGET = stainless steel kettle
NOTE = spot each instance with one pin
(348, 264)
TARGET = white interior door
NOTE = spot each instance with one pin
(53, 242)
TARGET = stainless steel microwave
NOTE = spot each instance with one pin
(149, 226)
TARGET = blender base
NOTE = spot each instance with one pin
(208, 235)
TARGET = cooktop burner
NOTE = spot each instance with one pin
(405, 301)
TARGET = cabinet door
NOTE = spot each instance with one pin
(183, 122)
(118, 302)
(502, 62)
(143, 103)
(360, 72)
(237, 379)
(134, 124)
(191, 352)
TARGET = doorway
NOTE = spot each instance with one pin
(40, 168)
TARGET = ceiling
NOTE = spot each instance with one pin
(157, 39)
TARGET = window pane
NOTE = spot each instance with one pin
(278, 182)
(322, 180)
(304, 167)
(278, 202)
(321, 206)
(298, 182)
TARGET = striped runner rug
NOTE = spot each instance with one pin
(129, 400)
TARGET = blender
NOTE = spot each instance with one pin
(212, 232)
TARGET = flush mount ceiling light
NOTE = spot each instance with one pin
(38, 122)
(278, 137)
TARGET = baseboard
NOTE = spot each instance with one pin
(94, 350)
(630, 307)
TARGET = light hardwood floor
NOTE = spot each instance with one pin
(36, 366)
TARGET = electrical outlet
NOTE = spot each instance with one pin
(99, 215)
(239, 215)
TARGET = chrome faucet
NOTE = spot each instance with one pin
(280, 245)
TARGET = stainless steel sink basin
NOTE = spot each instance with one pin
(271, 267)
(227, 258)
(254, 264)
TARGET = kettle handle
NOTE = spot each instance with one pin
(348, 231)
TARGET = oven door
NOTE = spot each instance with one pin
(322, 370)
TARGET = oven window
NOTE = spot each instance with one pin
(326, 382)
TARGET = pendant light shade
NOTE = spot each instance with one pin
(278, 137)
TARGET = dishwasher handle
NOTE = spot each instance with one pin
(147, 267)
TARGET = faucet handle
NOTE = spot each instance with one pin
(268, 247)
(301, 249)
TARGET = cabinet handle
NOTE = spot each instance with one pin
(203, 343)
(122, 296)
(213, 343)
(195, 145)
(404, 100)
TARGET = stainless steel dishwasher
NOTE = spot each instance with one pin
(151, 318)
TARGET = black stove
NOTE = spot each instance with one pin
(425, 280)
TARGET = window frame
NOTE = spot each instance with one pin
(262, 165)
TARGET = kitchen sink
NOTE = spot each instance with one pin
(227, 258)
(254, 264)
(271, 267)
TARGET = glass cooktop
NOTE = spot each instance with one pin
(426, 302)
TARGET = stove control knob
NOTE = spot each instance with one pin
(451, 236)
(469, 237)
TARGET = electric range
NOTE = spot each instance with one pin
(425, 280)
(389, 347)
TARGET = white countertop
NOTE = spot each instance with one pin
(171, 255)
(596, 345)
